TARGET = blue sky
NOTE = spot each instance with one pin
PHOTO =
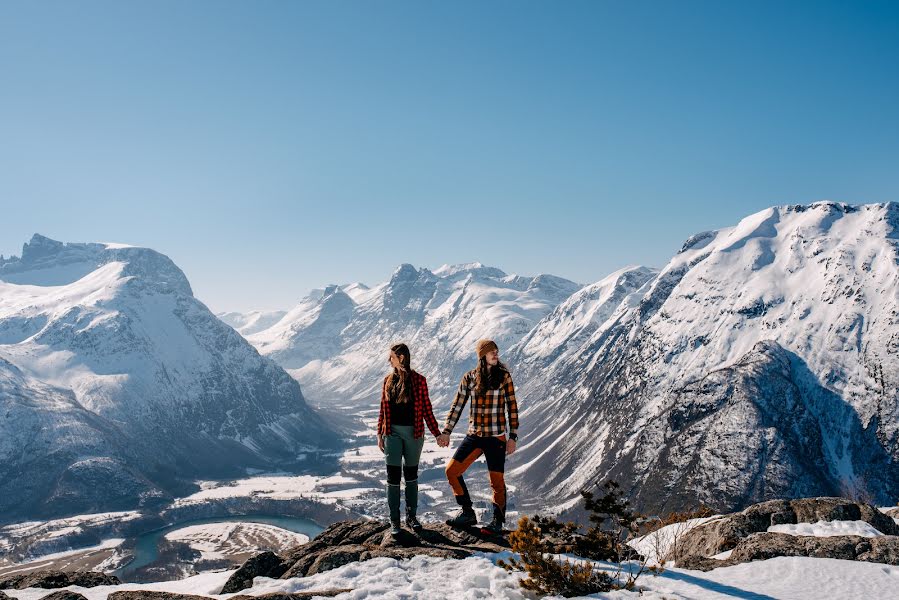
(272, 147)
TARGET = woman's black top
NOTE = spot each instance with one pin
(401, 412)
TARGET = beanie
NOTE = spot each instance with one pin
(484, 347)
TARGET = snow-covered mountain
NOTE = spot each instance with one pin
(335, 342)
(253, 321)
(762, 361)
(117, 385)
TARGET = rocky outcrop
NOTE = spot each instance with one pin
(727, 532)
(267, 564)
(762, 546)
(348, 541)
(57, 579)
(64, 595)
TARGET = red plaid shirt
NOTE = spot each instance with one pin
(421, 408)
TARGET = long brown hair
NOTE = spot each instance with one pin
(401, 377)
(489, 378)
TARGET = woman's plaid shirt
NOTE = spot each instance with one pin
(488, 411)
(421, 409)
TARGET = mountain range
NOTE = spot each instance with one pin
(759, 362)
(118, 387)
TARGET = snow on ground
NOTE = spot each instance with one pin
(58, 527)
(827, 529)
(887, 508)
(47, 560)
(277, 486)
(657, 544)
(793, 578)
(220, 540)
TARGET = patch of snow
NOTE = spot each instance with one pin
(827, 529)
(656, 545)
(218, 540)
(105, 544)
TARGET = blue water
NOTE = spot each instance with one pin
(146, 549)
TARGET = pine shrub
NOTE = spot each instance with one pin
(537, 540)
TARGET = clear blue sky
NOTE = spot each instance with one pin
(271, 147)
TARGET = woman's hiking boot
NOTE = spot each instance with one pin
(465, 518)
(395, 527)
(411, 522)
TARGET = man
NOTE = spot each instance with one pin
(492, 394)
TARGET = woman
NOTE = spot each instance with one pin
(405, 406)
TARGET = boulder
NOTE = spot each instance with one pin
(762, 546)
(348, 541)
(267, 564)
(57, 579)
(64, 595)
(726, 532)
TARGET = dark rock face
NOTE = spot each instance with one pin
(267, 564)
(58, 579)
(348, 541)
(727, 532)
(64, 595)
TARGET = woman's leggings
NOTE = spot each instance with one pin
(400, 447)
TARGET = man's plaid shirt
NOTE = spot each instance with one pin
(487, 415)
(421, 408)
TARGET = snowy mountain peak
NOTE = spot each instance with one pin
(110, 370)
(697, 356)
(464, 269)
(48, 262)
(404, 272)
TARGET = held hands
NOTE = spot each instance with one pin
(443, 440)
(510, 446)
(381, 443)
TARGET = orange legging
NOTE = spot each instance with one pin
(494, 450)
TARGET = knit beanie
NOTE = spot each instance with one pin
(484, 347)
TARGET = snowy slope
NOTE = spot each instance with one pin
(117, 383)
(335, 342)
(787, 578)
(253, 321)
(762, 361)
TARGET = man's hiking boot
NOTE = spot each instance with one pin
(411, 522)
(495, 525)
(395, 528)
(465, 518)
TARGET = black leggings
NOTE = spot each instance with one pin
(394, 473)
